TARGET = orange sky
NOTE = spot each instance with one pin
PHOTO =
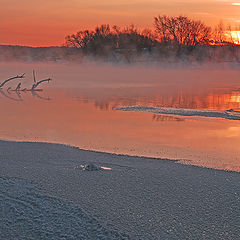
(47, 22)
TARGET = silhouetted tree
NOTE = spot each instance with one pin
(219, 34)
(104, 39)
(181, 31)
(173, 37)
(79, 40)
(230, 35)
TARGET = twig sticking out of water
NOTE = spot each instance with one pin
(39, 82)
(36, 83)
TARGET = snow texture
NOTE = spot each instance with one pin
(28, 214)
(228, 114)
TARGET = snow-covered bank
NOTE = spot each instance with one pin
(229, 114)
(28, 214)
(140, 198)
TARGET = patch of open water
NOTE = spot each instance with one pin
(77, 109)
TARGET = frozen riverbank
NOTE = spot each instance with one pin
(229, 114)
(28, 214)
(139, 198)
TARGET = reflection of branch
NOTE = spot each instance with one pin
(2, 84)
(18, 94)
(35, 94)
(18, 86)
(7, 96)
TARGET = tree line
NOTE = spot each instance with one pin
(105, 38)
(180, 32)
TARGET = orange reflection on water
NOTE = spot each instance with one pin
(214, 100)
(80, 119)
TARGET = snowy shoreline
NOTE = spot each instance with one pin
(228, 114)
(45, 194)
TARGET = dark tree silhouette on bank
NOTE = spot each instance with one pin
(174, 38)
(105, 39)
(181, 31)
(79, 40)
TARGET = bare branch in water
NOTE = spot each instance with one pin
(39, 82)
(21, 76)
(34, 76)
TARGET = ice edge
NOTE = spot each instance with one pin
(228, 114)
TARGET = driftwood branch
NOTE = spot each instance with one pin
(12, 78)
(39, 82)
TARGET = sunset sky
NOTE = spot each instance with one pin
(47, 22)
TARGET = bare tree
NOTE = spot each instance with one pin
(181, 31)
(79, 40)
(238, 35)
(105, 39)
(230, 34)
(219, 33)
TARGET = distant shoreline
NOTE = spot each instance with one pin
(164, 54)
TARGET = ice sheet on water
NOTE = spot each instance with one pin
(228, 114)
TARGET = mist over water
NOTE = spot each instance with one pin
(76, 108)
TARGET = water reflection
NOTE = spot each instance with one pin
(9, 96)
(221, 100)
(16, 95)
(218, 99)
(84, 117)
(162, 118)
(37, 94)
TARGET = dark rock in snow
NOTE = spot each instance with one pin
(91, 167)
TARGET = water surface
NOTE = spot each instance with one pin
(76, 109)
